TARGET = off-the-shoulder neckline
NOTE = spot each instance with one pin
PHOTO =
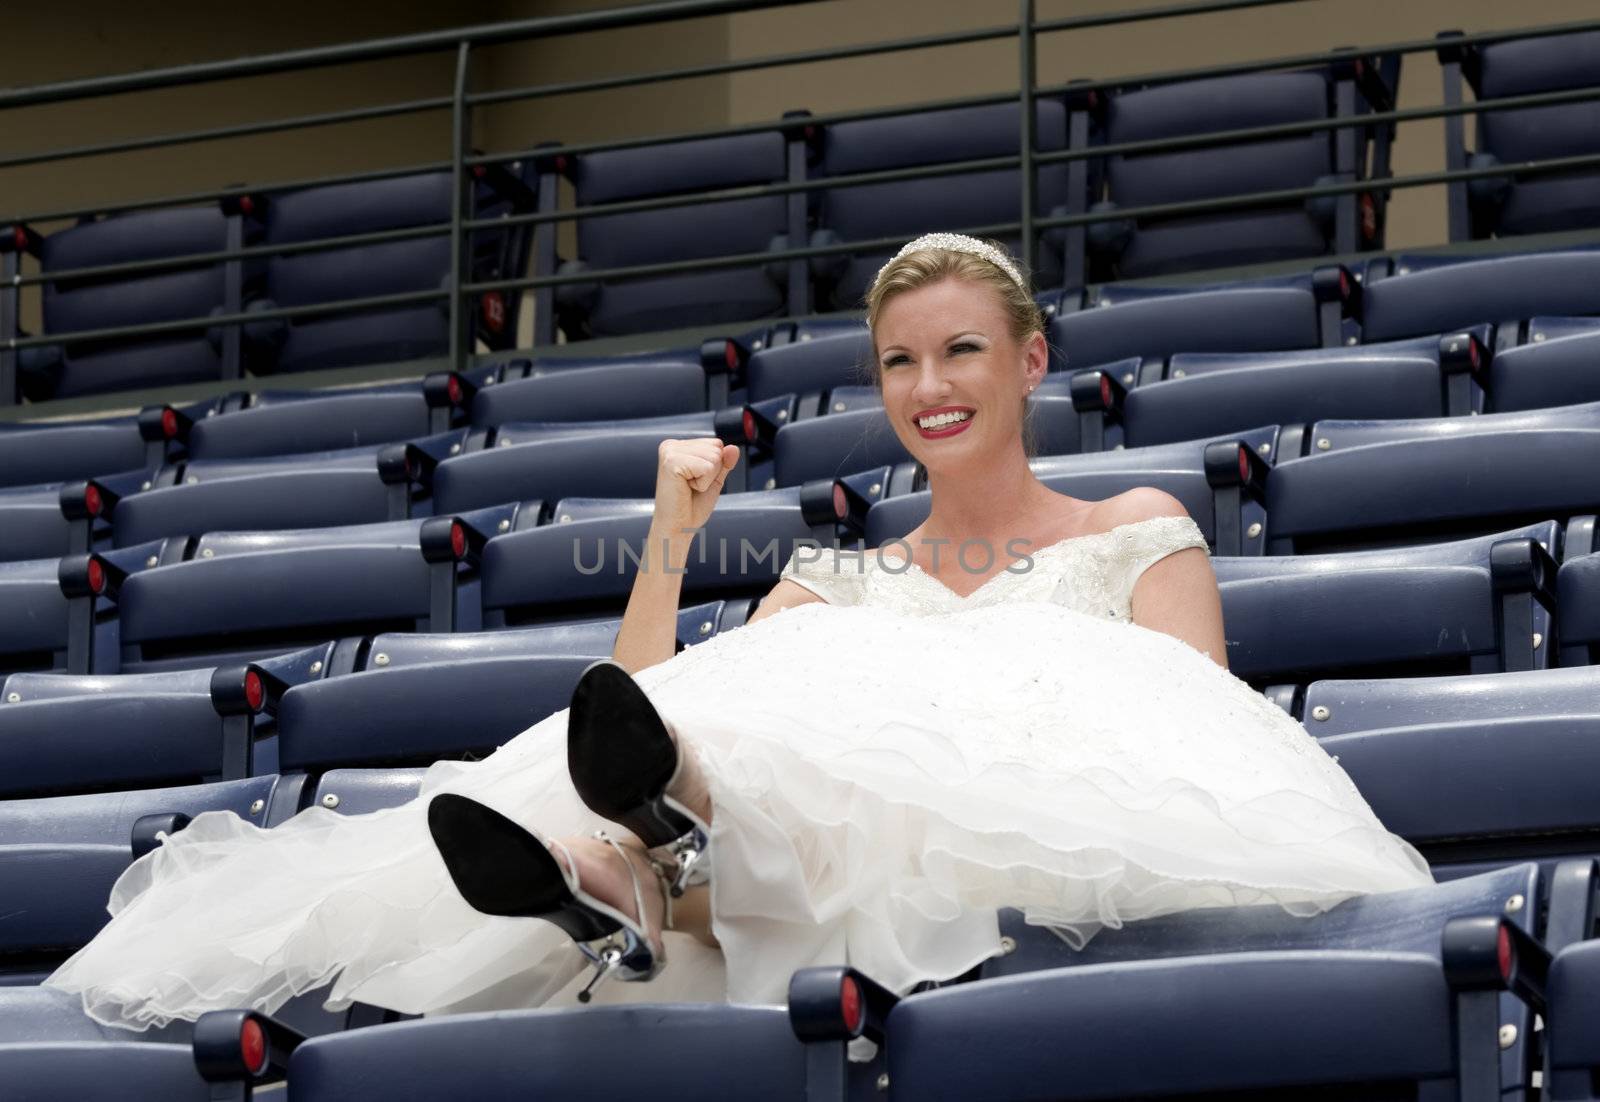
(1034, 554)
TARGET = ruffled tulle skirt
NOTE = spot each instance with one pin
(883, 783)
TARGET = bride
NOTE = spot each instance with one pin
(1024, 703)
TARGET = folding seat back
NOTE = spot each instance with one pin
(910, 208)
(74, 305)
(1480, 605)
(359, 791)
(1369, 483)
(734, 226)
(579, 639)
(726, 1052)
(239, 596)
(545, 462)
(284, 422)
(1553, 369)
(1213, 393)
(1267, 317)
(842, 358)
(421, 713)
(1500, 206)
(1500, 290)
(1134, 246)
(59, 857)
(1578, 598)
(627, 387)
(32, 525)
(585, 569)
(1475, 771)
(392, 267)
(59, 614)
(54, 452)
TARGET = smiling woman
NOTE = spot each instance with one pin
(1051, 728)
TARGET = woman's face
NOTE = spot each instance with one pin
(954, 378)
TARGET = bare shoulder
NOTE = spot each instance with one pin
(1137, 504)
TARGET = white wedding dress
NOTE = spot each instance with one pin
(887, 768)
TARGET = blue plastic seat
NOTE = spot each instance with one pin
(60, 614)
(1475, 771)
(733, 226)
(1365, 483)
(1439, 295)
(1503, 206)
(1554, 368)
(418, 264)
(909, 208)
(603, 388)
(1131, 247)
(1266, 316)
(1476, 605)
(584, 568)
(1379, 997)
(60, 855)
(1210, 393)
(813, 363)
(242, 596)
(1573, 1065)
(57, 371)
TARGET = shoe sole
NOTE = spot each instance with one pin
(621, 756)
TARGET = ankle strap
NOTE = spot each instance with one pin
(638, 890)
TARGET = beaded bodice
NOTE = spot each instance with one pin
(1092, 574)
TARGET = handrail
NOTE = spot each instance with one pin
(752, 191)
(463, 164)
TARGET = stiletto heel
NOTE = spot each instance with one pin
(500, 868)
(623, 759)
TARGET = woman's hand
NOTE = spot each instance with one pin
(689, 478)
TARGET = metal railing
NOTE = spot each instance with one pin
(467, 168)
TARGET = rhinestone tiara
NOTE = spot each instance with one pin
(959, 243)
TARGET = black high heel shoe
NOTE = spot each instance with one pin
(623, 758)
(502, 869)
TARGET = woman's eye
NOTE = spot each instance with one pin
(894, 361)
(963, 346)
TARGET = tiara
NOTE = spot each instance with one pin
(959, 243)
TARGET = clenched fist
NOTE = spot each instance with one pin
(689, 478)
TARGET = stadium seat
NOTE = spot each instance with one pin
(811, 364)
(1578, 598)
(1573, 1059)
(1210, 393)
(584, 568)
(1136, 246)
(1475, 771)
(1267, 316)
(909, 208)
(675, 1054)
(421, 713)
(244, 596)
(60, 614)
(1502, 206)
(736, 226)
(60, 855)
(285, 422)
(419, 264)
(1432, 295)
(39, 453)
(1475, 605)
(1366, 483)
(74, 305)
(1554, 909)
(598, 388)
(1554, 367)
(97, 734)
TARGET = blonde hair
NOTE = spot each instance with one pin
(925, 267)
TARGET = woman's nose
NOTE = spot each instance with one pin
(931, 385)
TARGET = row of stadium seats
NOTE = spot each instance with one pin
(827, 217)
(1427, 993)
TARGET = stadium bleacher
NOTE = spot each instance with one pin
(255, 599)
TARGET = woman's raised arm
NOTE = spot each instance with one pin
(689, 478)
